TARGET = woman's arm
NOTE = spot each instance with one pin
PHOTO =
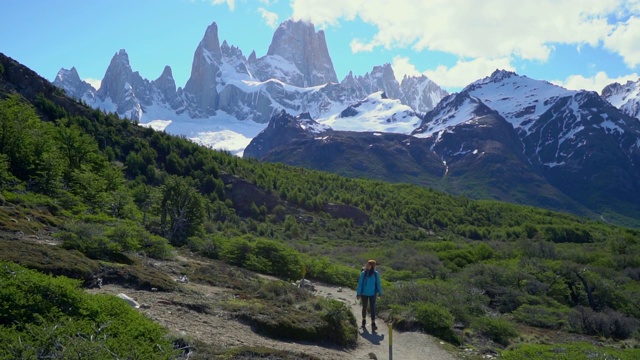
(359, 290)
(378, 284)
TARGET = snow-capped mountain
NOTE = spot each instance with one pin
(296, 75)
(553, 122)
(505, 137)
(625, 97)
(576, 140)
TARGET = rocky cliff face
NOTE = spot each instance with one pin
(298, 43)
(201, 91)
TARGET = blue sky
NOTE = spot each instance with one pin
(575, 43)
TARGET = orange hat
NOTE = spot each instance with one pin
(372, 263)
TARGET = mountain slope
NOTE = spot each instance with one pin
(580, 143)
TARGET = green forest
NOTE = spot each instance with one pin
(469, 272)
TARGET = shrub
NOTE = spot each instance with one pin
(463, 301)
(542, 316)
(50, 317)
(156, 246)
(261, 255)
(575, 351)
(322, 269)
(341, 327)
(609, 324)
(499, 330)
(437, 321)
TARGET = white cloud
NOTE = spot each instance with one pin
(624, 40)
(594, 83)
(230, 3)
(94, 82)
(455, 77)
(358, 46)
(491, 29)
(401, 67)
(269, 17)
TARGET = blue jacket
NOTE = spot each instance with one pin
(369, 285)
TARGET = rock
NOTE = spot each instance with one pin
(129, 300)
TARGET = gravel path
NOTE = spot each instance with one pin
(406, 345)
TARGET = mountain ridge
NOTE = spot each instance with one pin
(296, 75)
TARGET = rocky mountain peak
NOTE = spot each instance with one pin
(252, 57)
(421, 93)
(200, 88)
(210, 42)
(383, 78)
(496, 77)
(625, 97)
(499, 75)
(116, 77)
(281, 129)
(69, 75)
(299, 43)
(166, 84)
(127, 89)
(612, 89)
(70, 82)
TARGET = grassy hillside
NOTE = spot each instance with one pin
(474, 273)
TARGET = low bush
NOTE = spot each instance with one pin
(322, 269)
(49, 259)
(437, 321)
(608, 324)
(106, 241)
(261, 255)
(464, 302)
(282, 310)
(542, 316)
(340, 323)
(499, 330)
(575, 351)
(50, 317)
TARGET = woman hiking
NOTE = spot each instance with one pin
(368, 287)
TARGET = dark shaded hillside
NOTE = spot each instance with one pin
(482, 160)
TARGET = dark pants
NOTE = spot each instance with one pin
(372, 301)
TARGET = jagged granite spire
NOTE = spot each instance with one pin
(201, 86)
(125, 88)
(298, 42)
(166, 84)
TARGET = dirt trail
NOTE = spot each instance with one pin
(406, 345)
(172, 311)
